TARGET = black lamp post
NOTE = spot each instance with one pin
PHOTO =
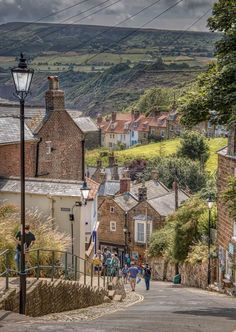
(22, 77)
(210, 205)
(125, 230)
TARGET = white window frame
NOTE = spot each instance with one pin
(113, 226)
(145, 230)
(48, 147)
(234, 230)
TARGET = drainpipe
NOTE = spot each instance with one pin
(83, 159)
(52, 210)
(37, 158)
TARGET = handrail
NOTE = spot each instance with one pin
(56, 268)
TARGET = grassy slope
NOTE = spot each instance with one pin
(150, 151)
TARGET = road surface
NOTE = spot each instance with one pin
(164, 309)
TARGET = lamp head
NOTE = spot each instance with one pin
(210, 202)
(85, 191)
(22, 77)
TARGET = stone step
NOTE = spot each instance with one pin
(117, 298)
(111, 294)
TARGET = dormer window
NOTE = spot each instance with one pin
(48, 147)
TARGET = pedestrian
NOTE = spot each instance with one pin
(147, 272)
(29, 241)
(97, 261)
(133, 272)
(127, 260)
(125, 272)
(115, 265)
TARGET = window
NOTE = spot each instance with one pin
(234, 230)
(143, 231)
(124, 137)
(140, 232)
(209, 124)
(112, 210)
(110, 144)
(110, 135)
(132, 133)
(112, 226)
(113, 136)
(162, 133)
(48, 147)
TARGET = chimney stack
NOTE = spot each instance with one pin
(111, 160)
(154, 175)
(142, 193)
(136, 114)
(125, 182)
(54, 98)
(99, 119)
(113, 116)
(115, 173)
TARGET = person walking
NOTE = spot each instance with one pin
(97, 261)
(133, 272)
(115, 265)
(147, 273)
(29, 241)
(125, 272)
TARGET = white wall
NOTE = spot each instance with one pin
(51, 206)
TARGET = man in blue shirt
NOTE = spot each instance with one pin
(133, 272)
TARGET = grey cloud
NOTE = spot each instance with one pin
(178, 17)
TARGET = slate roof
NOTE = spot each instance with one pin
(109, 188)
(165, 205)
(10, 131)
(42, 187)
(126, 201)
(154, 189)
(108, 170)
(86, 124)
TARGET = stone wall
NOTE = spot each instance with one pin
(45, 297)
(191, 275)
(10, 159)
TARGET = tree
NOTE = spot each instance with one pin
(189, 172)
(183, 230)
(213, 97)
(194, 146)
(41, 226)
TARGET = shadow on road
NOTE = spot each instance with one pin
(214, 312)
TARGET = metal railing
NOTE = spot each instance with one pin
(60, 265)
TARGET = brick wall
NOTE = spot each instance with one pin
(157, 223)
(107, 236)
(65, 140)
(105, 217)
(226, 167)
(46, 297)
(10, 159)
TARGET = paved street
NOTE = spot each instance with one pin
(164, 309)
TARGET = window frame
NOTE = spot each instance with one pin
(113, 223)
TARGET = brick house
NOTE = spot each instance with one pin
(226, 226)
(126, 219)
(10, 148)
(54, 162)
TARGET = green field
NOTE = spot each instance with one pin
(153, 150)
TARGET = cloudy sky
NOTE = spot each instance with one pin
(109, 12)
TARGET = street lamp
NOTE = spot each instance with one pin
(85, 192)
(22, 77)
(210, 205)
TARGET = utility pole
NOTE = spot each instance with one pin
(176, 188)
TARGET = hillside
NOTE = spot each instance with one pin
(101, 69)
(153, 150)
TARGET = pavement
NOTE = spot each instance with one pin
(165, 308)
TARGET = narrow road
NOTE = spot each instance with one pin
(165, 309)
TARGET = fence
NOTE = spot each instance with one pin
(60, 264)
